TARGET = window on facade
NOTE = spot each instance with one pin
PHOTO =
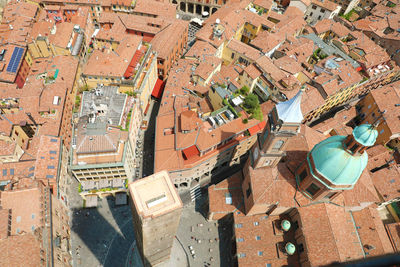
(314, 7)
(258, 237)
(322, 10)
(319, 17)
(233, 55)
(248, 191)
(311, 14)
(312, 189)
(255, 223)
(259, 253)
(303, 175)
(238, 225)
(240, 239)
(300, 248)
(265, 135)
(295, 225)
(4, 172)
(228, 198)
(278, 144)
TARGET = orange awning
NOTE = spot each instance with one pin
(158, 89)
(257, 128)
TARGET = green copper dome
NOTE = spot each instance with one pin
(334, 163)
(365, 134)
(290, 248)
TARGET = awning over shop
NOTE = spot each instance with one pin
(158, 89)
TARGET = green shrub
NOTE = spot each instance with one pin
(244, 90)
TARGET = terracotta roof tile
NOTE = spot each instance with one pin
(99, 63)
(165, 41)
(244, 49)
(387, 99)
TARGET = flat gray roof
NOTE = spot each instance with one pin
(106, 102)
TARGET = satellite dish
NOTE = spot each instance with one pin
(218, 21)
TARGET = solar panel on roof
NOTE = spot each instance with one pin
(15, 59)
(11, 62)
(18, 59)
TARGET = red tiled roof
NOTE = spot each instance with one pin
(258, 128)
(190, 152)
(158, 89)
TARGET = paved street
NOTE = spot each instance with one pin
(209, 240)
(149, 139)
(105, 236)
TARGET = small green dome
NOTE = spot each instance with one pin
(290, 248)
(285, 225)
(334, 163)
(365, 134)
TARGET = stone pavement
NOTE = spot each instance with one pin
(178, 257)
(204, 237)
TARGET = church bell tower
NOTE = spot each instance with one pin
(283, 123)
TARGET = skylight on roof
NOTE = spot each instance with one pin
(155, 201)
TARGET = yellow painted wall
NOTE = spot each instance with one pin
(302, 77)
(33, 50)
(227, 56)
(147, 86)
(28, 57)
(43, 48)
(19, 135)
(238, 34)
(59, 51)
(33, 2)
(215, 99)
(101, 43)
